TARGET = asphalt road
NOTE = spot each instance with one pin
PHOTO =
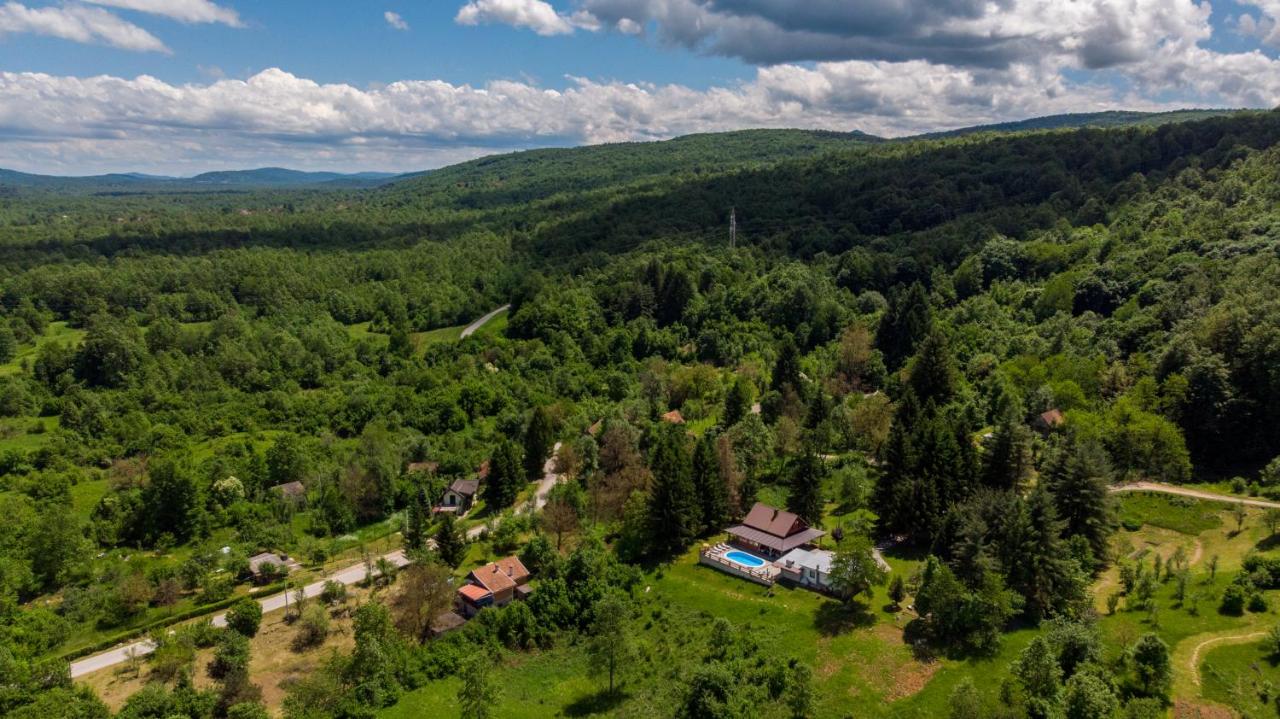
(123, 653)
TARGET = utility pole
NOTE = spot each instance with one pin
(733, 226)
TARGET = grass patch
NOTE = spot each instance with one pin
(1242, 676)
(1180, 514)
(55, 332)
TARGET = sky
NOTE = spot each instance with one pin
(179, 87)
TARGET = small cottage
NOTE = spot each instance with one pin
(494, 585)
(459, 496)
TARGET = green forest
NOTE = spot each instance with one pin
(961, 356)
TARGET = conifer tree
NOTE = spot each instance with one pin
(712, 493)
(506, 477)
(450, 544)
(1006, 461)
(805, 498)
(786, 370)
(906, 322)
(933, 374)
(673, 508)
(538, 440)
(1079, 476)
(738, 402)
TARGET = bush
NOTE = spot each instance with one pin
(313, 627)
(1233, 599)
(1257, 603)
(245, 617)
(333, 592)
(216, 589)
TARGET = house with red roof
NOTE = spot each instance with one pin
(494, 585)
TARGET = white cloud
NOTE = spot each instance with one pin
(394, 20)
(1266, 29)
(535, 15)
(79, 24)
(58, 124)
(187, 11)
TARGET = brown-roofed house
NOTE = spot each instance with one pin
(459, 497)
(268, 566)
(673, 417)
(1049, 421)
(482, 472)
(595, 427)
(493, 585)
(772, 531)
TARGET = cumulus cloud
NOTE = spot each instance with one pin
(1266, 28)
(79, 24)
(981, 33)
(535, 15)
(187, 11)
(68, 124)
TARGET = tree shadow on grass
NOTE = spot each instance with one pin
(834, 618)
(1270, 542)
(601, 702)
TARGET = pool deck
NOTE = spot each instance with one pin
(714, 556)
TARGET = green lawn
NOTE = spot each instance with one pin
(1179, 514)
(1242, 676)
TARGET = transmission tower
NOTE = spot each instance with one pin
(733, 226)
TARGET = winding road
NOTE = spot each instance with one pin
(471, 328)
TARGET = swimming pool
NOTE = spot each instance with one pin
(750, 561)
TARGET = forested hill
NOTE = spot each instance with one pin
(521, 177)
(903, 192)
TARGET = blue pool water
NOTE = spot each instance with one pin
(747, 560)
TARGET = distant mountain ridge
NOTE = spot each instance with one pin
(495, 179)
(261, 178)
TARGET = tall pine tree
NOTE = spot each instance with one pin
(908, 320)
(933, 373)
(673, 507)
(712, 492)
(1078, 476)
(539, 437)
(505, 479)
(805, 498)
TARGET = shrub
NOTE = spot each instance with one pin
(1233, 599)
(245, 617)
(333, 592)
(313, 627)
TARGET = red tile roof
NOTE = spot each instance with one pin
(474, 592)
(504, 574)
(674, 417)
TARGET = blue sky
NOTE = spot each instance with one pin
(351, 42)
(182, 86)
